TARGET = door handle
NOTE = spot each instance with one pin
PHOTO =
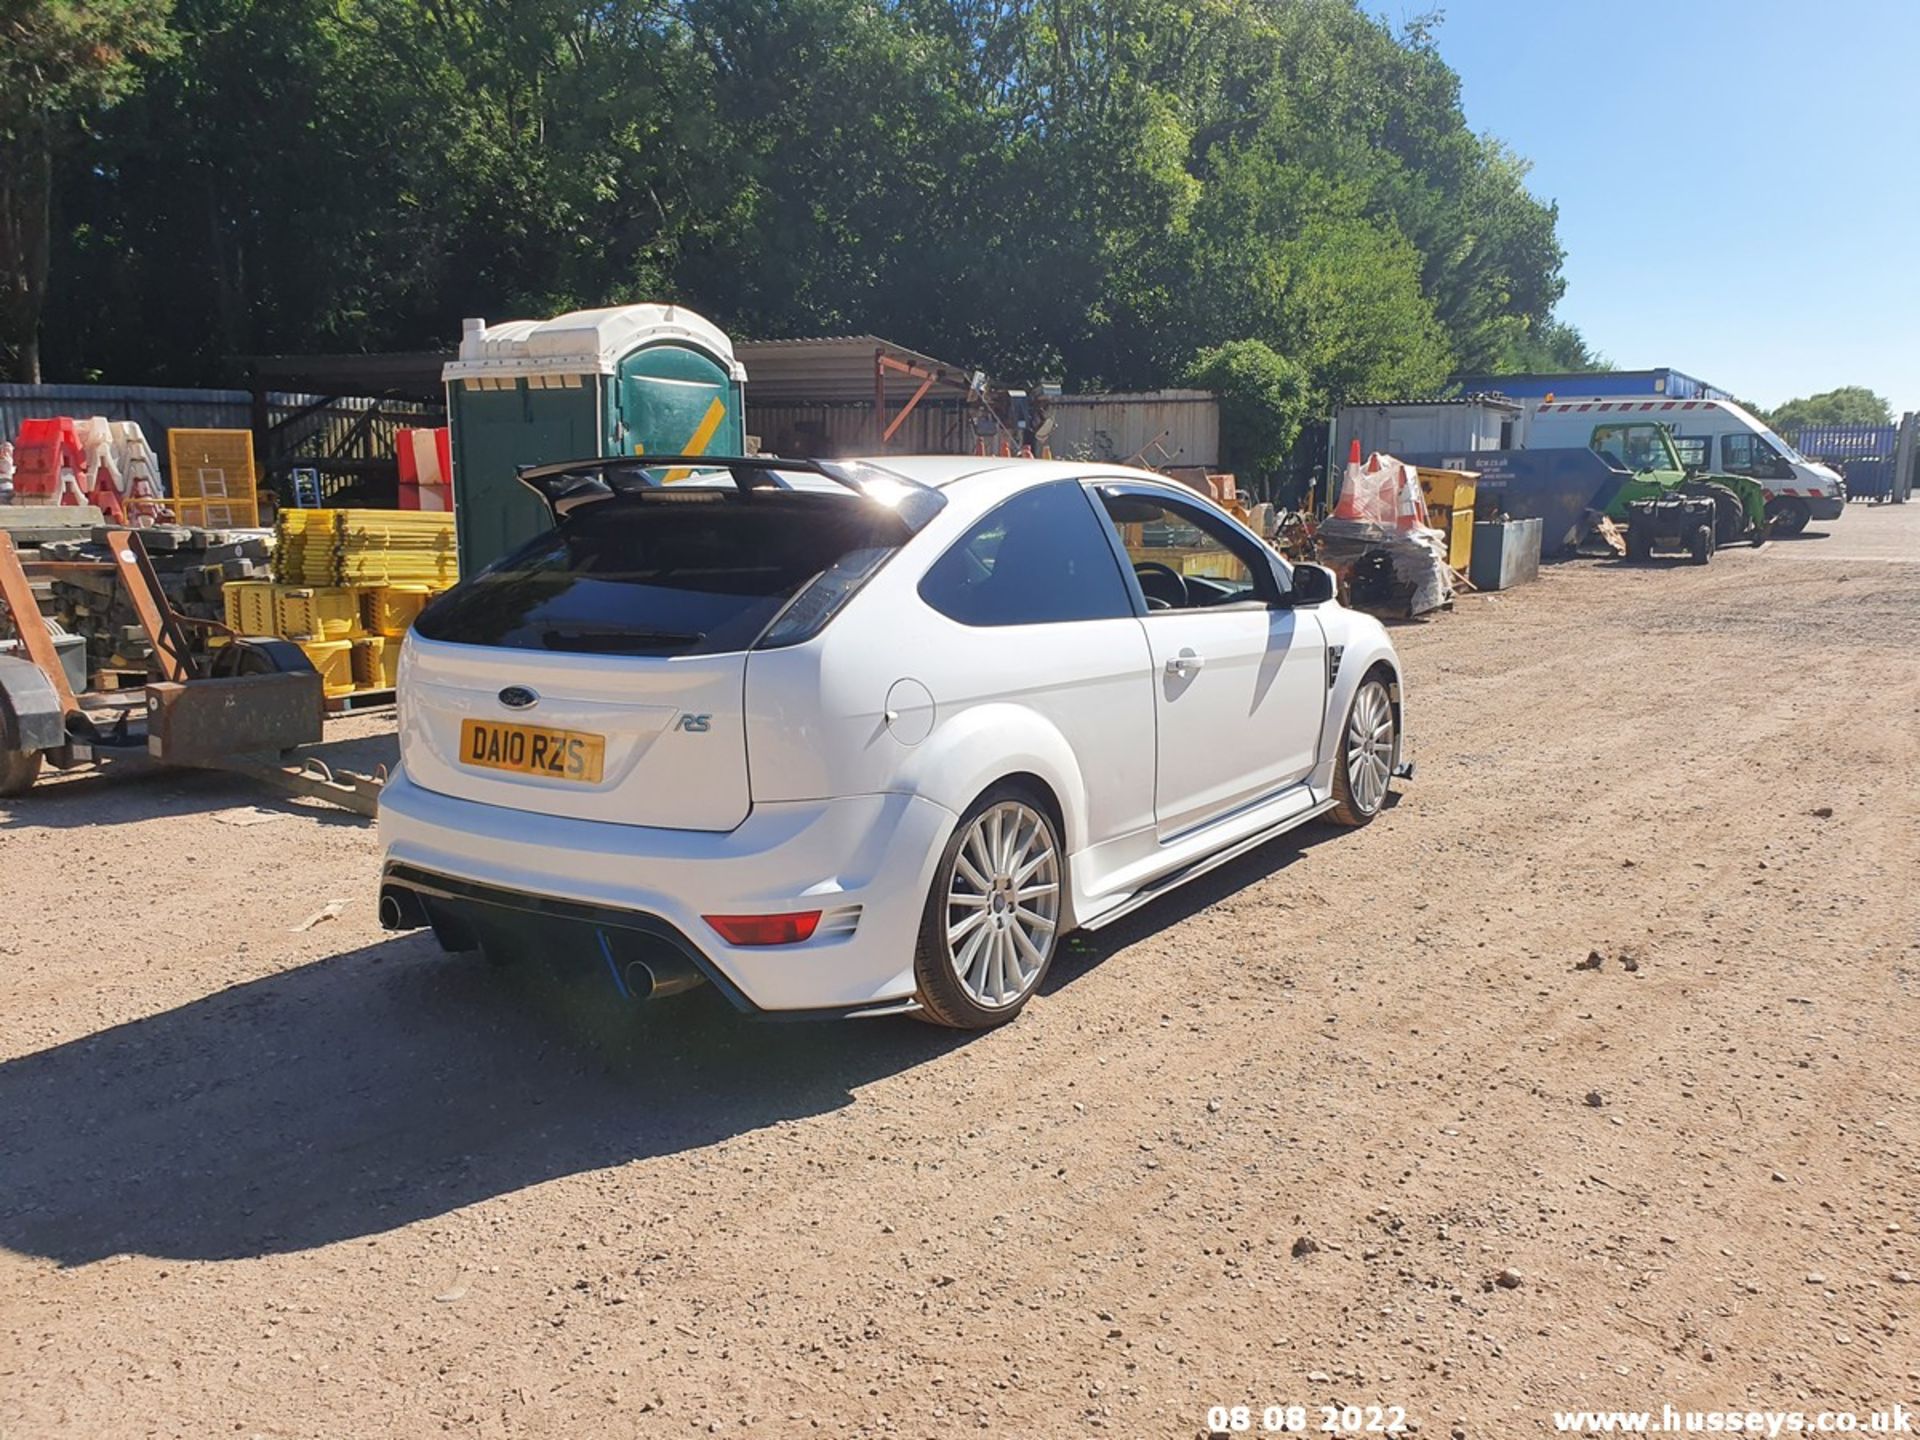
(1184, 664)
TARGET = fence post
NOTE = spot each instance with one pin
(1902, 485)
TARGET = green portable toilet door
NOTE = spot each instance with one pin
(497, 432)
(669, 400)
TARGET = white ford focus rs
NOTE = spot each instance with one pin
(864, 737)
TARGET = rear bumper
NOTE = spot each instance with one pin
(865, 862)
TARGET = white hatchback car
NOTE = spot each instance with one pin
(864, 737)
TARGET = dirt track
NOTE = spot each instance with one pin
(274, 1182)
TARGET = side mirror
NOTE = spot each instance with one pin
(1312, 585)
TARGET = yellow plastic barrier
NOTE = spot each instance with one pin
(334, 660)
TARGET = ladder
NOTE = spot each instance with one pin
(306, 489)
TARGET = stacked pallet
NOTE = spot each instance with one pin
(352, 634)
(366, 547)
(346, 586)
(194, 567)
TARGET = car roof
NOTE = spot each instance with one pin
(942, 471)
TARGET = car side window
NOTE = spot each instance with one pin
(1040, 558)
(1184, 558)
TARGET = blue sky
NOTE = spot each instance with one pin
(1728, 174)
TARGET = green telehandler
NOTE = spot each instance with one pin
(1645, 449)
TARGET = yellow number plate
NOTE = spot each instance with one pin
(533, 750)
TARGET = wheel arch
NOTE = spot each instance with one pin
(1366, 652)
(996, 744)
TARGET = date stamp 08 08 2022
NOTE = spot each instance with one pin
(1306, 1419)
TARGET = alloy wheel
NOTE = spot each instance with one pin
(1370, 746)
(1003, 904)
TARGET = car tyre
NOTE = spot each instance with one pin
(1639, 543)
(1701, 545)
(1789, 516)
(994, 913)
(1369, 754)
(18, 770)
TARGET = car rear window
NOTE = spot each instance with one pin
(674, 573)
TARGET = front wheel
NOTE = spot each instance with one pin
(1701, 545)
(1639, 543)
(1369, 751)
(1789, 516)
(992, 922)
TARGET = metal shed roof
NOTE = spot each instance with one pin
(832, 370)
(1497, 398)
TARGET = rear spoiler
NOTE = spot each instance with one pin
(577, 482)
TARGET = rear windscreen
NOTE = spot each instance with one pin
(669, 574)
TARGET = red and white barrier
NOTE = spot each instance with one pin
(426, 468)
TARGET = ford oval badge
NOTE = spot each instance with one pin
(519, 697)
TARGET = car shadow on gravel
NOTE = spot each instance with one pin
(383, 1086)
(394, 1083)
(1085, 949)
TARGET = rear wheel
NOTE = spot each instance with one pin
(1789, 516)
(1369, 751)
(18, 770)
(992, 922)
(1729, 517)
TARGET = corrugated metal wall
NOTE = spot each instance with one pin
(1113, 427)
(1864, 454)
(1118, 427)
(158, 410)
(935, 427)
(1402, 428)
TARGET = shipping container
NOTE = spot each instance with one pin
(1567, 385)
(1466, 425)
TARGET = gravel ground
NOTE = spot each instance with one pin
(1271, 1141)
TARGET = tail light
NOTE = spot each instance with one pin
(789, 929)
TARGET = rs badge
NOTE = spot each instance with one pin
(695, 724)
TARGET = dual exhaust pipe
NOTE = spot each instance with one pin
(660, 973)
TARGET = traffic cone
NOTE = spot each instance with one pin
(1348, 506)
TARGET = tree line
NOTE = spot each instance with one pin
(1103, 192)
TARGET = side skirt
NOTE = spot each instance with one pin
(1201, 866)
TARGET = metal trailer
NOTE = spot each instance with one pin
(246, 711)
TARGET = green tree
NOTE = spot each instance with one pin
(1282, 254)
(1264, 400)
(1089, 190)
(1847, 405)
(1551, 346)
(60, 62)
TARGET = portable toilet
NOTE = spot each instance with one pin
(624, 380)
